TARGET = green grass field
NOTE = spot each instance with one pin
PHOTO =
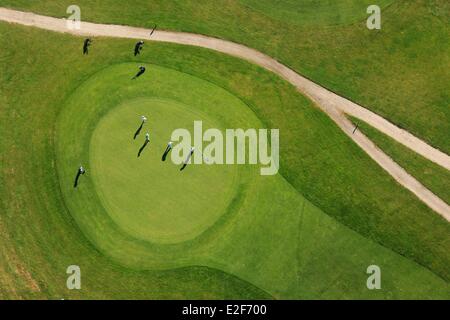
(433, 176)
(190, 205)
(247, 220)
(389, 71)
(315, 13)
(309, 232)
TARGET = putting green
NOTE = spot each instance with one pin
(145, 214)
(161, 204)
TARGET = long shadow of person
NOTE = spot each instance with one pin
(138, 131)
(143, 147)
(154, 28)
(140, 73)
(166, 152)
(187, 159)
(77, 178)
(80, 172)
(164, 157)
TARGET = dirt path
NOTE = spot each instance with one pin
(335, 106)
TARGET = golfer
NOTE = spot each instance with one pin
(86, 45)
(140, 73)
(79, 173)
(166, 152)
(187, 159)
(138, 48)
(138, 131)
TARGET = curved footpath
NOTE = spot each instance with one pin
(332, 104)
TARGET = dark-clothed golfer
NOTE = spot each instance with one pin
(188, 158)
(138, 47)
(86, 45)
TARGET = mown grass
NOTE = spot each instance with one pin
(398, 72)
(41, 70)
(433, 176)
(268, 233)
(161, 203)
(39, 237)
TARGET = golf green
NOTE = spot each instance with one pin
(162, 203)
(146, 214)
(268, 240)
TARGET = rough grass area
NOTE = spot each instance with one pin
(399, 72)
(295, 248)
